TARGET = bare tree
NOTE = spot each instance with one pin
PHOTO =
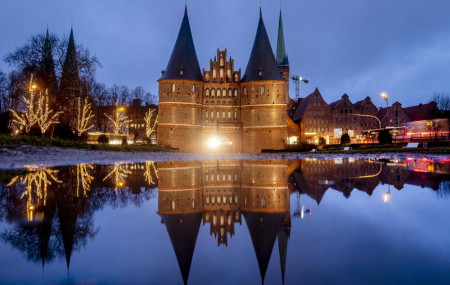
(442, 100)
(3, 93)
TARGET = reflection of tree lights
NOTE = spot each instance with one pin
(149, 166)
(36, 187)
(120, 174)
(84, 177)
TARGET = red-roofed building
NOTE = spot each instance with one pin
(313, 115)
(344, 119)
(367, 108)
(393, 116)
(421, 112)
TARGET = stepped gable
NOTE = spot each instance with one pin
(263, 228)
(183, 63)
(282, 58)
(301, 108)
(183, 231)
(262, 64)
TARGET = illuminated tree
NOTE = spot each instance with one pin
(119, 120)
(45, 116)
(149, 127)
(28, 119)
(84, 116)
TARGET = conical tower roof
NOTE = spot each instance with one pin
(263, 228)
(262, 64)
(183, 63)
(183, 231)
(46, 77)
(282, 58)
(70, 77)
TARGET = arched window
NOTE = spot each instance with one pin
(262, 89)
(245, 91)
(213, 92)
(224, 92)
(218, 93)
(207, 92)
(229, 73)
(230, 92)
(214, 74)
(221, 73)
(235, 92)
(193, 88)
(173, 87)
(221, 61)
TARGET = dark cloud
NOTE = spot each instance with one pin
(359, 47)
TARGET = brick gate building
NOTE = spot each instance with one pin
(217, 109)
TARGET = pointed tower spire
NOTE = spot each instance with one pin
(282, 58)
(183, 63)
(262, 64)
(70, 77)
(46, 77)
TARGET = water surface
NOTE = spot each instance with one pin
(340, 221)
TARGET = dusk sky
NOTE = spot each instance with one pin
(361, 47)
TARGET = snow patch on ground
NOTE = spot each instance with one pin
(53, 156)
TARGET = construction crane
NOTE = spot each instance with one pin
(297, 79)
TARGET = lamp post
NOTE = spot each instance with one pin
(385, 97)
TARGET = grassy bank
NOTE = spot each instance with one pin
(7, 141)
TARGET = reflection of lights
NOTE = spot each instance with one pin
(386, 197)
(120, 173)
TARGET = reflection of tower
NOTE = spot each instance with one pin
(265, 205)
(283, 238)
(222, 197)
(180, 208)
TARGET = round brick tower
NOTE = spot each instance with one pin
(265, 94)
(180, 95)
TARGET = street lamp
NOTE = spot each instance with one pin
(385, 97)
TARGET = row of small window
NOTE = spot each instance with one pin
(224, 177)
(224, 115)
(314, 121)
(236, 76)
(221, 199)
(317, 113)
(137, 126)
(218, 102)
(349, 111)
(349, 120)
(220, 93)
(317, 129)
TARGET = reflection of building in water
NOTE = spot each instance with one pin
(314, 177)
(222, 197)
(218, 192)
